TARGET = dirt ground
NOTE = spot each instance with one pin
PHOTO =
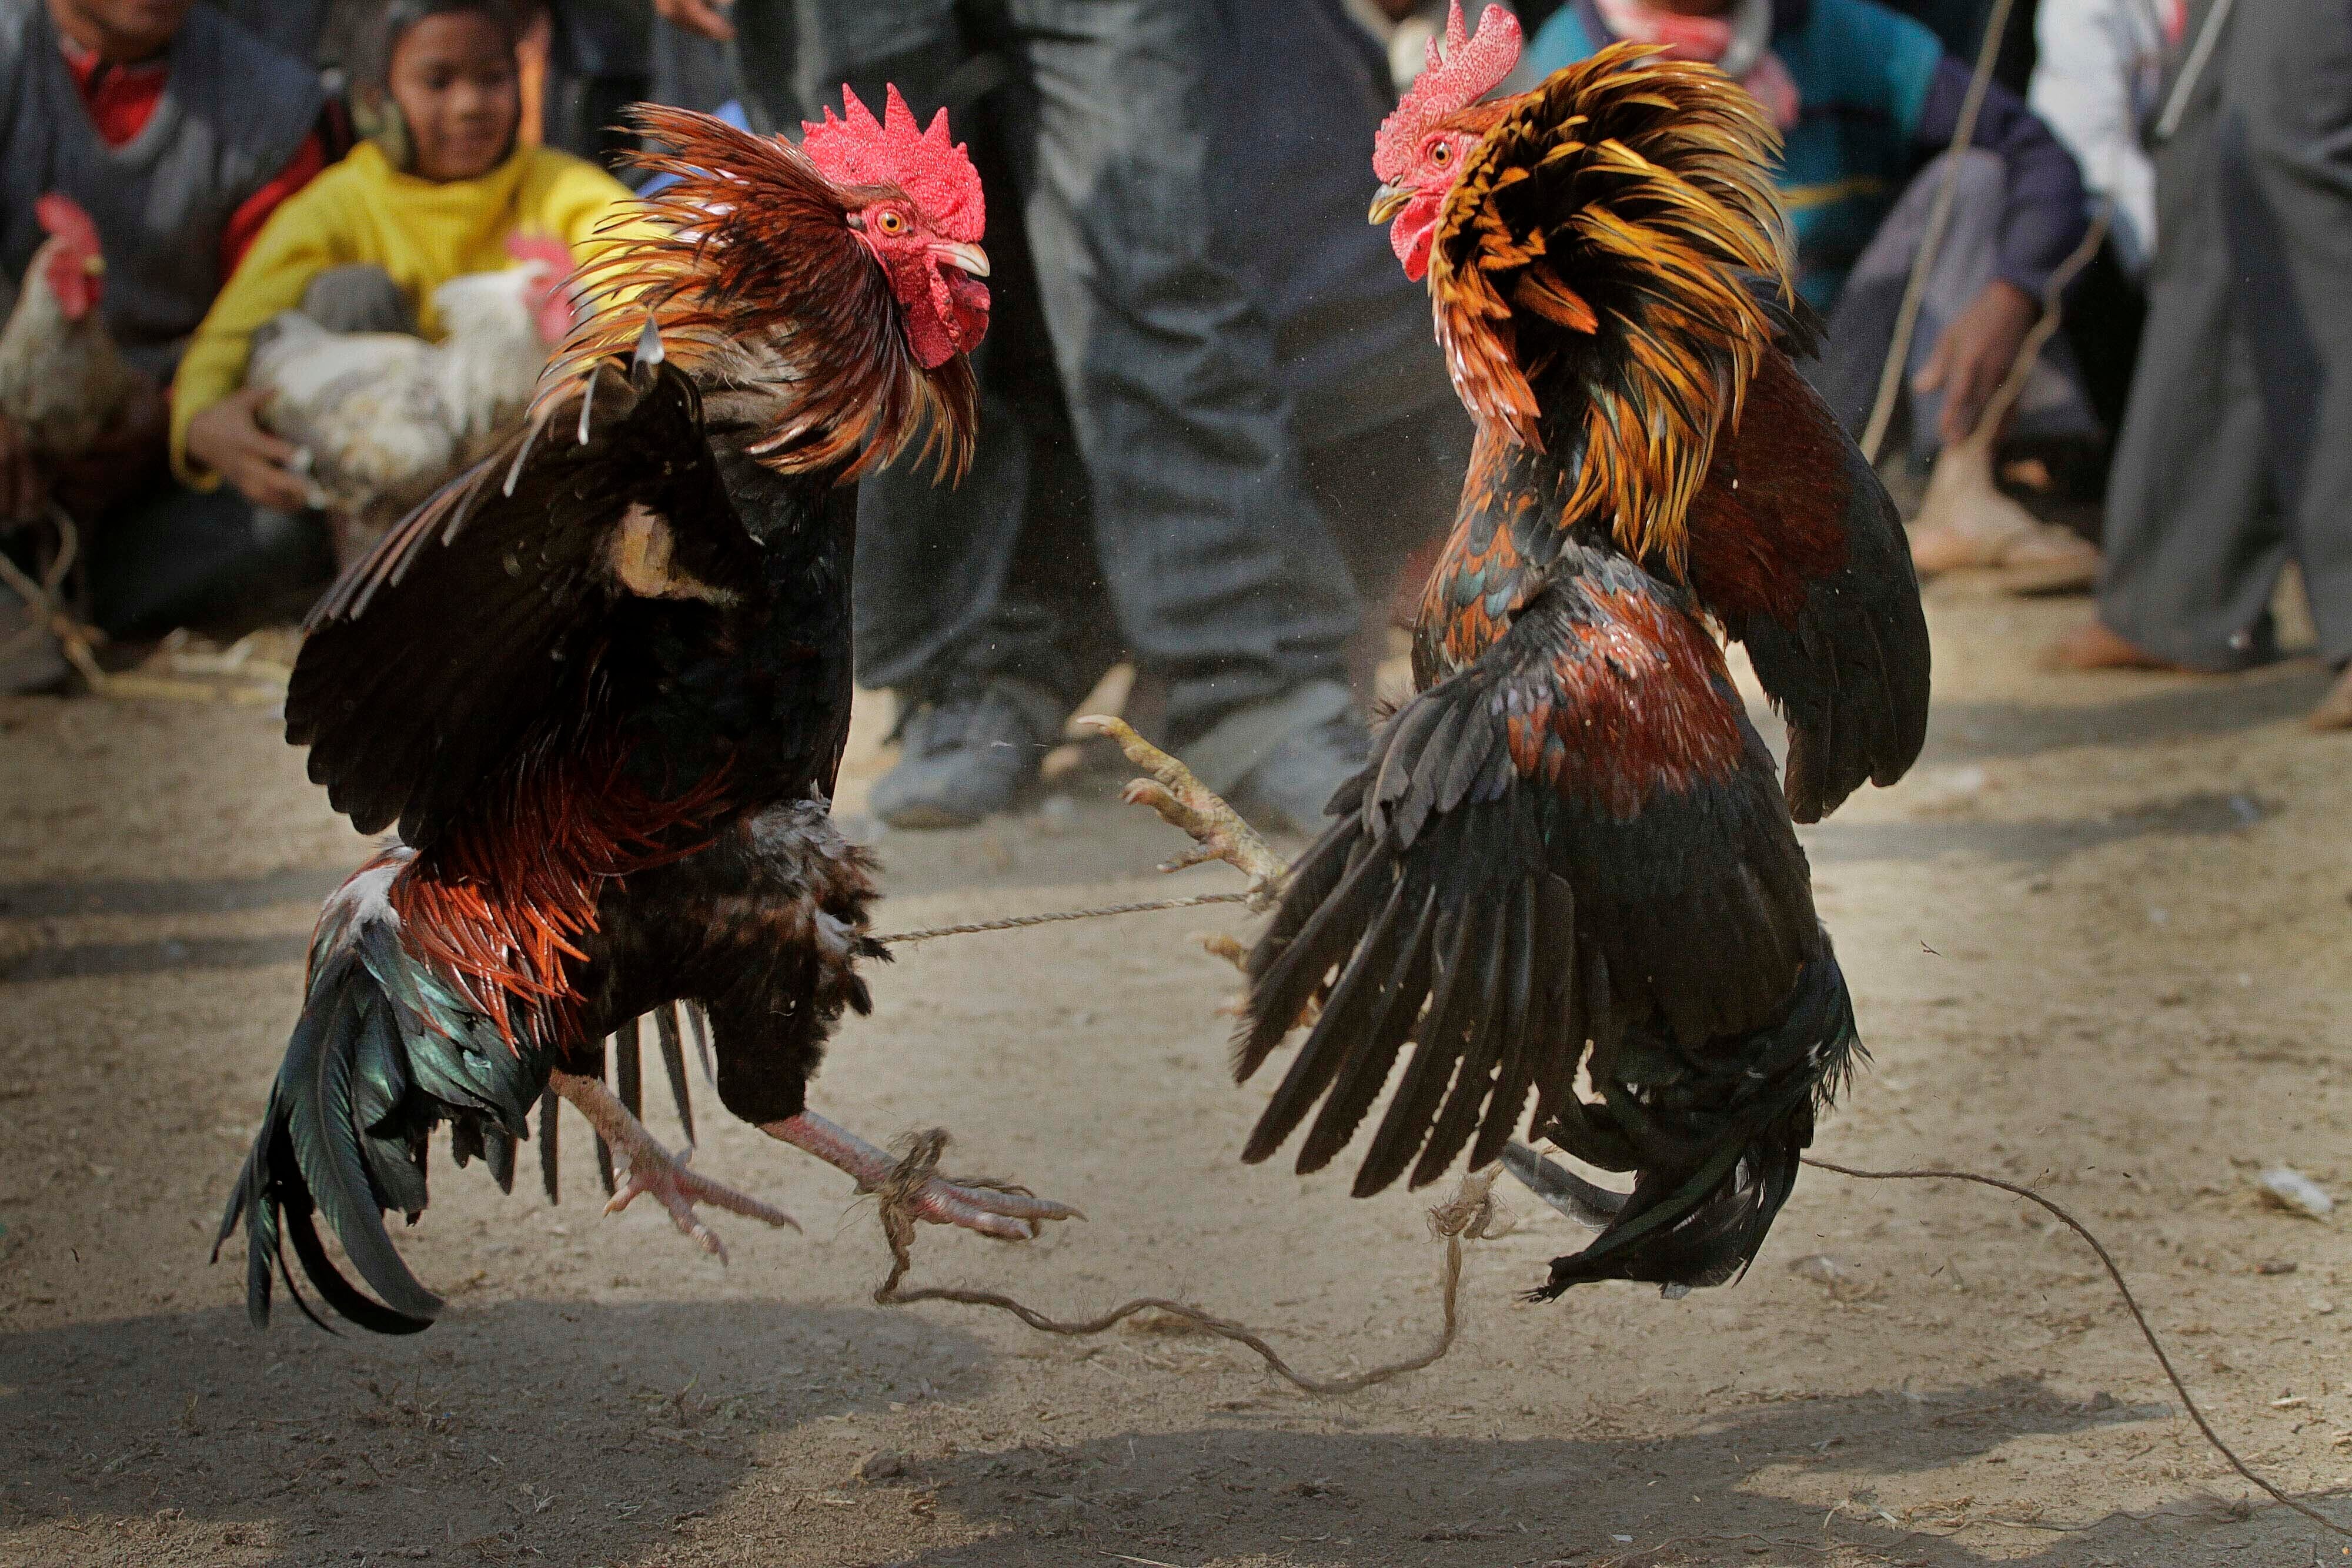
(2098, 942)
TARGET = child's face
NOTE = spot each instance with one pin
(453, 78)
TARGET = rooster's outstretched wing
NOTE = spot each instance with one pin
(1796, 547)
(533, 592)
(1575, 837)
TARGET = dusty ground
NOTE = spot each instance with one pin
(2097, 943)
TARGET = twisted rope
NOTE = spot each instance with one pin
(1015, 922)
(1473, 1213)
(2116, 1275)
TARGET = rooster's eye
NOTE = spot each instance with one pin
(1441, 153)
(891, 223)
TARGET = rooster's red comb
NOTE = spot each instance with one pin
(63, 216)
(1468, 68)
(857, 150)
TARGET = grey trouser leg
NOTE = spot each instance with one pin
(2285, 190)
(2233, 459)
(1222, 577)
(1226, 579)
(1862, 323)
(2192, 545)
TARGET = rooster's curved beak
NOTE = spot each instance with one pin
(1388, 201)
(970, 257)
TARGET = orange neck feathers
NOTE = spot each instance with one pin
(752, 274)
(1599, 240)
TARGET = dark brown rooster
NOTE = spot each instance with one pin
(1569, 854)
(602, 684)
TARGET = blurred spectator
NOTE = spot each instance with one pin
(1134, 396)
(295, 29)
(2097, 85)
(1866, 97)
(1959, 27)
(601, 59)
(433, 194)
(181, 133)
(693, 70)
(2232, 459)
(1869, 103)
(1386, 442)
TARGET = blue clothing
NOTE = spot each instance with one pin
(1879, 97)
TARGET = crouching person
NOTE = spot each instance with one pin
(440, 190)
(173, 134)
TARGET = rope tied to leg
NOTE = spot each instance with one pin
(1473, 1213)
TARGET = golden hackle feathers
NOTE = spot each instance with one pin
(1607, 223)
(754, 280)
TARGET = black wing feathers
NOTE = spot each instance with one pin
(1844, 655)
(409, 705)
(1851, 672)
(1466, 884)
(1506, 922)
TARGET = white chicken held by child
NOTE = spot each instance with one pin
(382, 419)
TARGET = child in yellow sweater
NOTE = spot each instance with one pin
(435, 192)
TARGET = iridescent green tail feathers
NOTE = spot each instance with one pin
(381, 1055)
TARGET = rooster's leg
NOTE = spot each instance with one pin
(1007, 1216)
(655, 1170)
(1217, 830)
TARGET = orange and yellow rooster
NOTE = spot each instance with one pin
(1568, 854)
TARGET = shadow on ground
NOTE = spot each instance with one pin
(1227, 1493)
(627, 1419)
(2195, 709)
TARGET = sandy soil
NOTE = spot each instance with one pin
(2097, 943)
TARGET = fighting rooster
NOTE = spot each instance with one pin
(1568, 852)
(601, 683)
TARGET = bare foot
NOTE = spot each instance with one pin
(2094, 648)
(2335, 709)
(655, 1170)
(2051, 559)
(1967, 522)
(1005, 1215)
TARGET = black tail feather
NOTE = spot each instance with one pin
(1718, 1152)
(344, 1134)
(550, 1108)
(673, 1055)
(699, 1021)
(308, 1155)
(629, 1067)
